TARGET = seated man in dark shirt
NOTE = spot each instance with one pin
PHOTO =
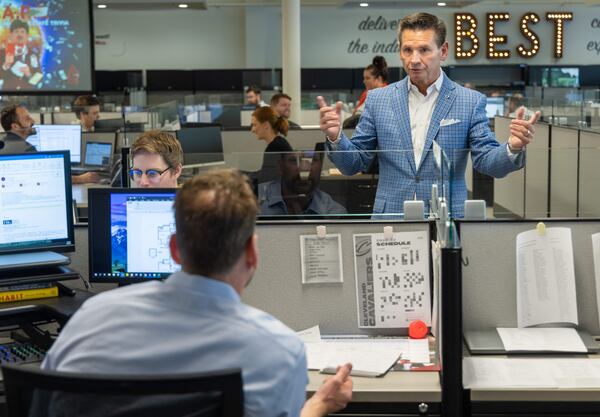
(18, 125)
(282, 104)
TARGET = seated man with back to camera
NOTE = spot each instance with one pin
(157, 160)
(195, 321)
(18, 126)
(87, 110)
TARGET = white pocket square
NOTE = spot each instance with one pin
(448, 122)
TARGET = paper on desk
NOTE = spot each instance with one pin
(545, 278)
(484, 372)
(596, 251)
(312, 334)
(413, 350)
(489, 373)
(367, 359)
(541, 339)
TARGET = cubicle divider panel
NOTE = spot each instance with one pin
(277, 285)
(589, 173)
(536, 173)
(489, 278)
(509, 192)
(563, 172)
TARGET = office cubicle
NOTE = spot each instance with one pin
(490, 300)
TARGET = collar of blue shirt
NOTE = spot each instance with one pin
(207, 286)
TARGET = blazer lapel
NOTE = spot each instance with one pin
(445, 99)
(400, 104)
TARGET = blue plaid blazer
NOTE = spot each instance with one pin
(385, 126)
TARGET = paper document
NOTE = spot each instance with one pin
(541, 340)
(321, 259)
(546, 278)
(596, 252)
(392, 279)
(502, 373)
(312, 334)
(367, 359)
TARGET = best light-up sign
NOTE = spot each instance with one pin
(467, 42)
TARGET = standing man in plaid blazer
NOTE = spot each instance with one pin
(415, 119)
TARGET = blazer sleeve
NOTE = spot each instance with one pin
(352, 155)
(488, 155)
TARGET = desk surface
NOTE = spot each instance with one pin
(538, 394)
(413, 386)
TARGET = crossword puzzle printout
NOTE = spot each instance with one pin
(392, 279)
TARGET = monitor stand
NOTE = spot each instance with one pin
(32, 260)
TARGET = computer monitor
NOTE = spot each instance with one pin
(129, 233)
(58, 138)
(98, 153)
(494, 107)
(202, 146)
(108, 124)
(560, 77)
(36, 211)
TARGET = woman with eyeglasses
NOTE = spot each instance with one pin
(157, 160)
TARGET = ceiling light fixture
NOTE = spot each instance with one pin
(182, 5)
(364, 4)
(102, 6)
(441, 4)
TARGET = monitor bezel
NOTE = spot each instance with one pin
(54, 246)
(93, 194)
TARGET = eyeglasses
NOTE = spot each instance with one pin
(151, 174)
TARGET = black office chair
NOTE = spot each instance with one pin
(33, 392)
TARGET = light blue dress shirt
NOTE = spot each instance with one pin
(186, 324)
(271, 201)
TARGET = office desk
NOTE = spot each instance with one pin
(397, 393)
(562, 402)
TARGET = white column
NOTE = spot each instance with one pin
(290, 35)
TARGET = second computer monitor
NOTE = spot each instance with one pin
(58, 138)
(202, 146)
(129, 233)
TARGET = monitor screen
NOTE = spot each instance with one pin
(494, 107)
(35, 202)
(98, 153)
(202, 146)
(58, 138)
(46, 46)
(129, 233)
(560, 77)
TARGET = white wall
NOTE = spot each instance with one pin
(236, 37)
(179, 39)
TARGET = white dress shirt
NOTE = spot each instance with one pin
(420, 109)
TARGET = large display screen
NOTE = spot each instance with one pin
(45, 46)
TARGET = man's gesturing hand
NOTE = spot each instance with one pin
(521, 130)
(330, 118)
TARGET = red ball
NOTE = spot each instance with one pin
(417, 329)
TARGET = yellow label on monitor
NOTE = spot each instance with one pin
(10, 296)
